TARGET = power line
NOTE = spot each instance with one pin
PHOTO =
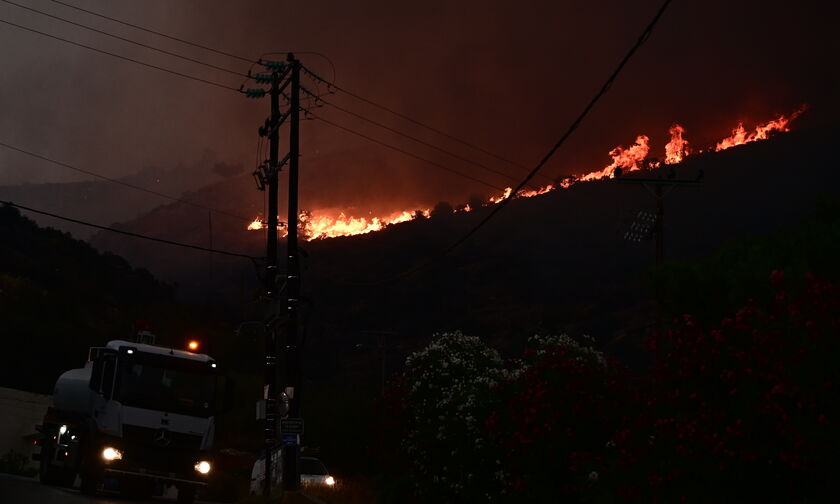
(229, 71)
(188, 42)
(412, 120)
(124, 39)
(405, 135)
(129, 233)
(407, 153)
(101, 51)
(122, 183)
(250, 60)
(147, 30)
(604, 88)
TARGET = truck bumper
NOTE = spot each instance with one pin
(173, 478)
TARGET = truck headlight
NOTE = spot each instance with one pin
(329, 480)
(111, 454)
(203, 467)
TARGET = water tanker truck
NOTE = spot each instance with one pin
(136, 414)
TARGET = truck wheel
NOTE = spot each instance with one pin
(186, 494)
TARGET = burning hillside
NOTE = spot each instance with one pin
(320, 224)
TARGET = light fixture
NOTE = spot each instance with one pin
(203, 467)
(110, 454)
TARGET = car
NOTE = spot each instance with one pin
(258, 473)
(313, 472)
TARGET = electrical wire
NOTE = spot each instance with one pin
(129, 233)
(572, 127)
(122, 183)
(330, 83)
(405, 135)
(416, 122)
(147, 30)
(407, 153)
(480, 165)
(124, 39)
(188, 42)
(101, 51)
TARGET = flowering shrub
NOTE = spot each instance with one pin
(447, 390)
(557, 420)
(743, 412)
(750, 405)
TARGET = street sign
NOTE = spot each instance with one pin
(291, 426)
(291, 440)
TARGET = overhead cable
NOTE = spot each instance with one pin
(129, 233)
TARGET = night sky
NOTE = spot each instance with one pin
(493, 73)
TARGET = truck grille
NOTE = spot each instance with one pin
(158, 450)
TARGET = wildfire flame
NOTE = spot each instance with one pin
(740, 136)
(504, 196)
(323, 226)
(317, 225)
(677, 149)
(629, 159)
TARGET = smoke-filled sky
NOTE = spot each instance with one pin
(508, 76)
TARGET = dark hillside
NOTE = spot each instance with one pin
(58, 296)
(553, 263)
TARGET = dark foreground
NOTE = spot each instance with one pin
(20, 490)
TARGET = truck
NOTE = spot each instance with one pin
(136, 413)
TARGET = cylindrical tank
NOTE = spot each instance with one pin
(72, 392)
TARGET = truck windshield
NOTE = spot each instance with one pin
(164, 389)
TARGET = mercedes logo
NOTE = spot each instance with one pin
(162, 438)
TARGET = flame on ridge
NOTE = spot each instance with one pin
(677, 149)
(322, 226)
(316, 226)
(741, 136)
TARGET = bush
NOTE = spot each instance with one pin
(556, 422)
(750, 404)
(446, 398)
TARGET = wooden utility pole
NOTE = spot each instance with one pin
(282, 312)
(266, 176)
(270, 383)
(659, 187)
(292, 379)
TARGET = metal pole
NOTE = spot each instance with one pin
(271, 283)
(291, 454)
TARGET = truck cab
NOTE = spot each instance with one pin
(137, 413)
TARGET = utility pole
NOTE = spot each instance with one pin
(659, 187)
(282, 312)
(266, 177)
(292, 379)
(270, 433)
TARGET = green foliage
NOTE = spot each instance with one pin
(709, 289)
(448, 396)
